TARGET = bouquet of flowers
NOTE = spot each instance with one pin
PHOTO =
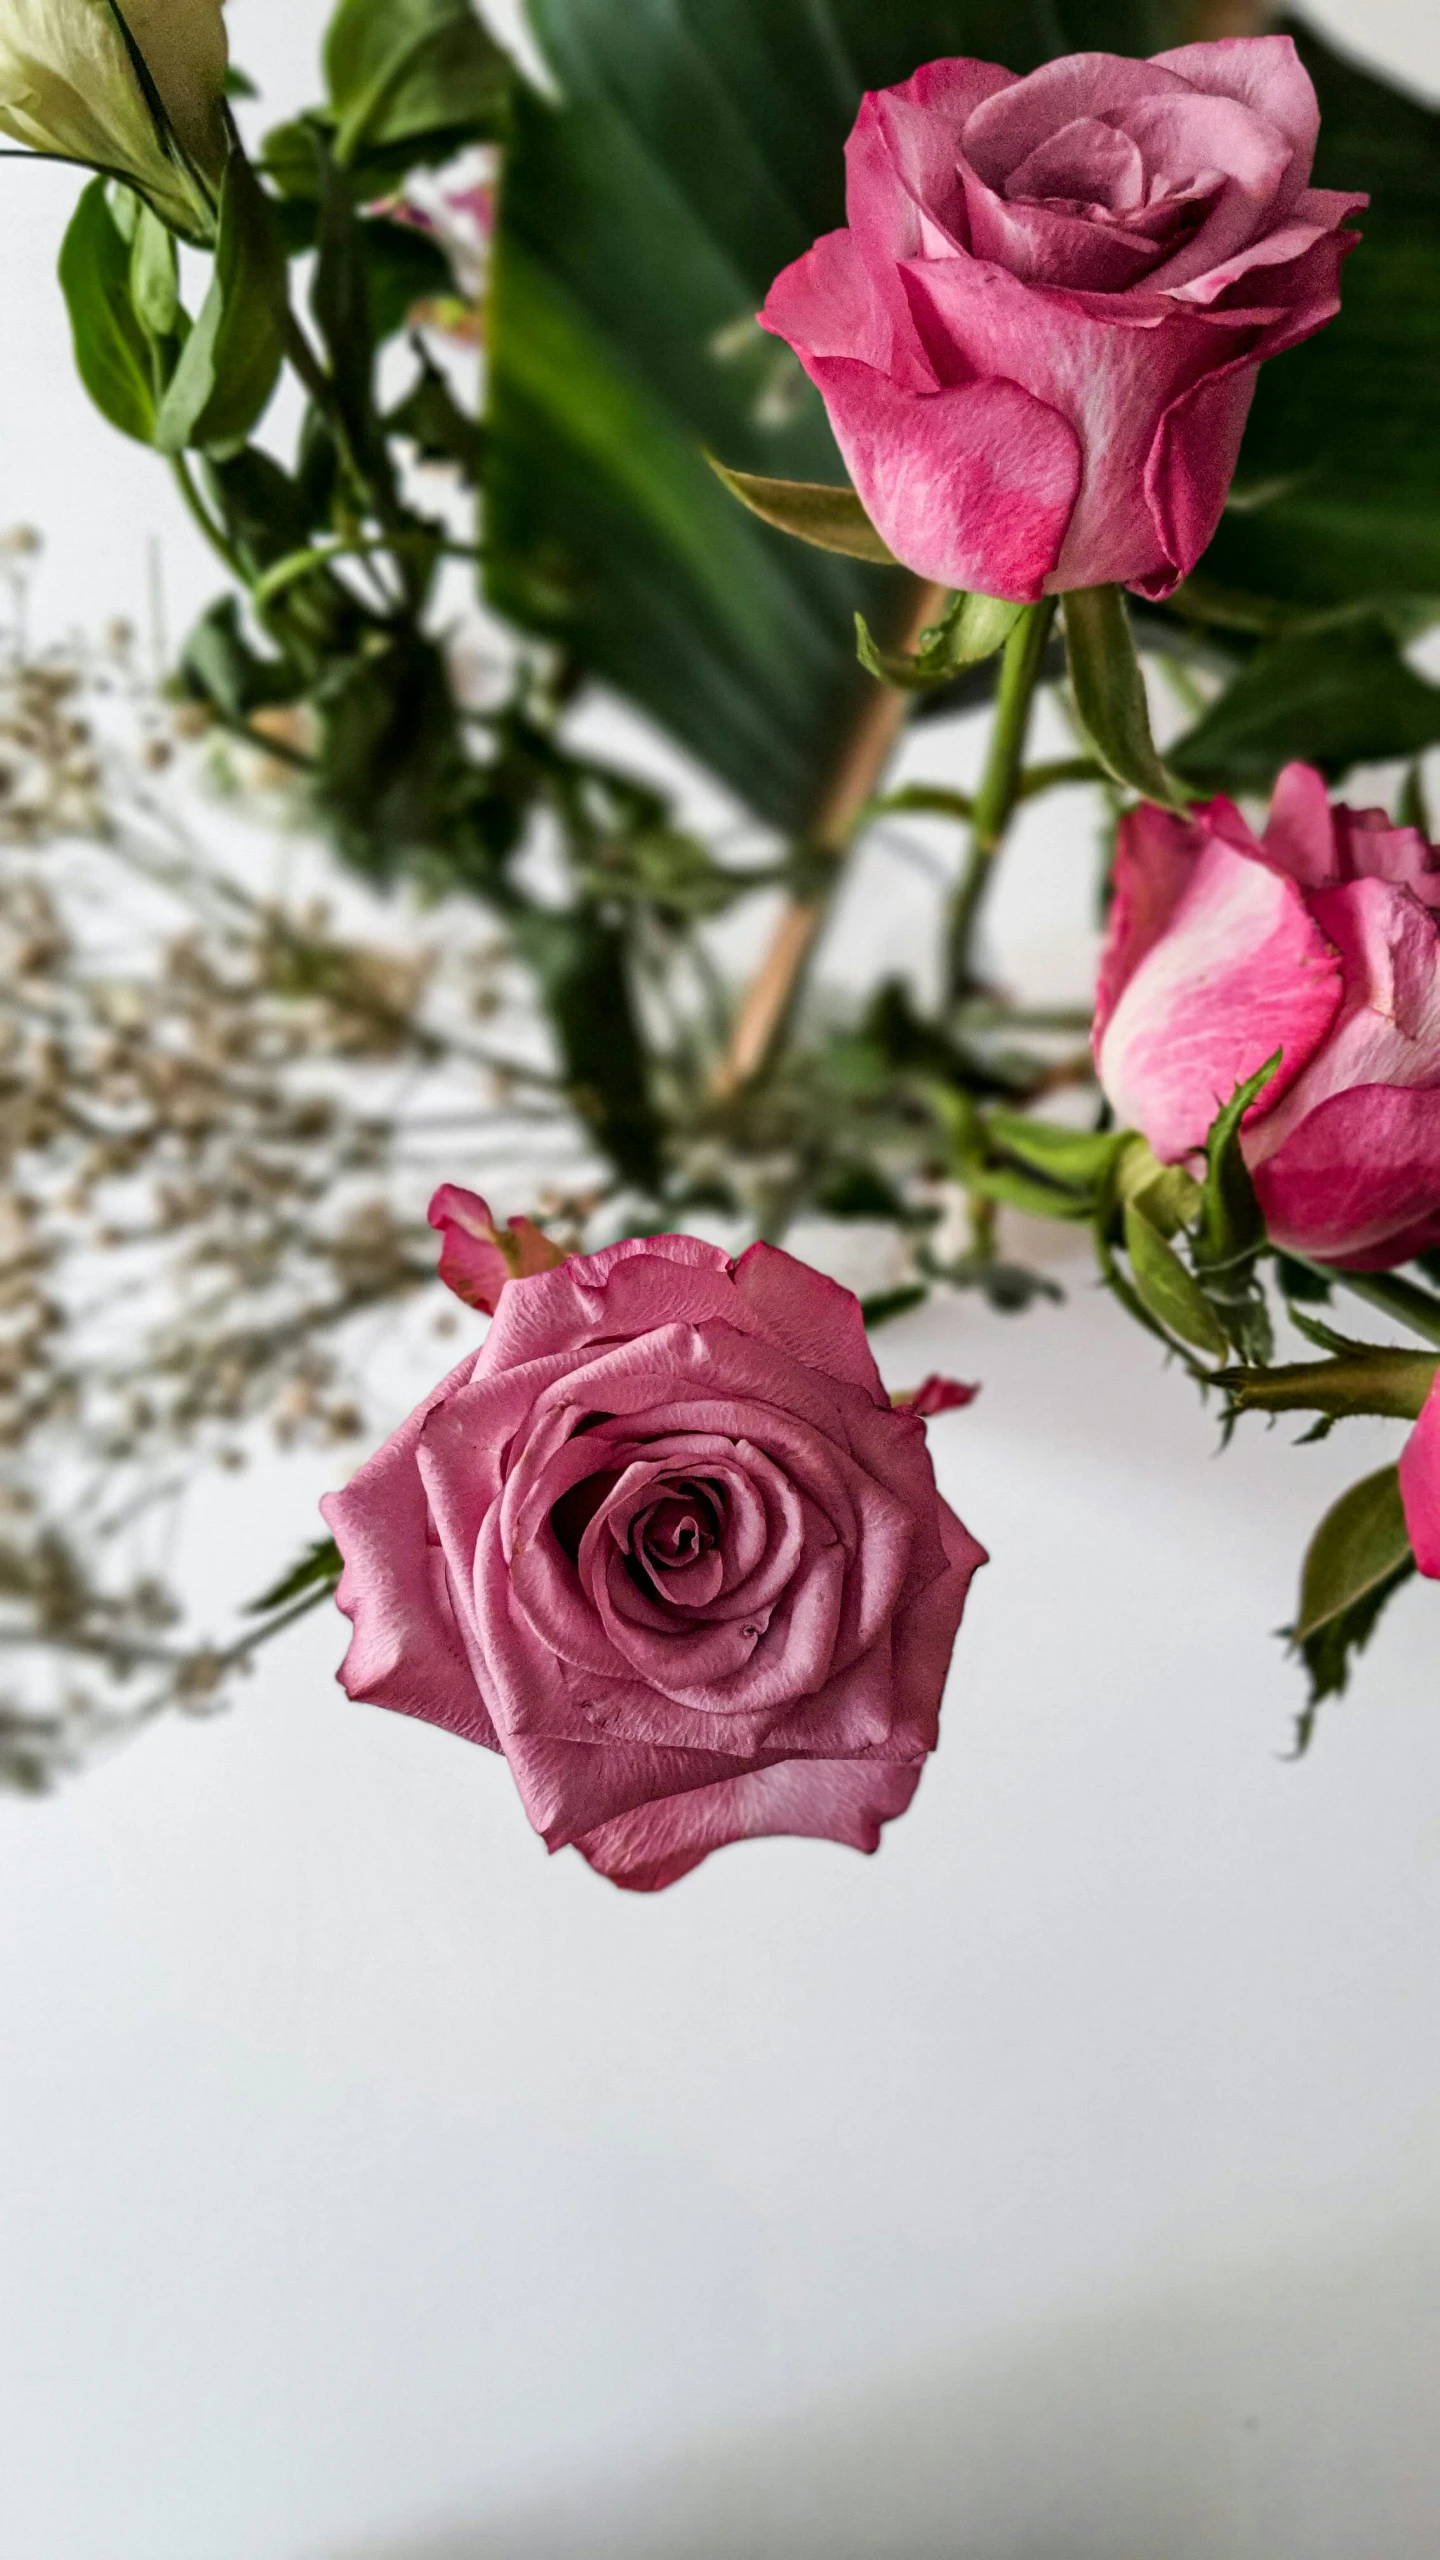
(796, 373)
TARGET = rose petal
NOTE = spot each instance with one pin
(1420, 1485)
(846, 1800)
(1358, 1181)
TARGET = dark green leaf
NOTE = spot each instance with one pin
(699, 148)
(413, 72)
(432, 418)
(1166, 1288)
(1334, 698)
(890, 1303)
(405, 268)
(1344, 431)
(1110, 693)
(112, 349)
(231, 360)
(1358, 1556)
(219, 666)
(389, 753)
(318, 1570)
(580, 963)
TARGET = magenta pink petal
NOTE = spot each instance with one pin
(847, 1801)
(1242, 972)
(1420, 1485)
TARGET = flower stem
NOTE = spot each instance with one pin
(1000, 783)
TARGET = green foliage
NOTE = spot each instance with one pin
(1336, 697)
(1337, 496)
(1358, 1557)
(113, 350)
(1165, 1288)
(1109, 693)
(415, 76)
(231, 359)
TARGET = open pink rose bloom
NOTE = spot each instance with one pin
(1038, 336)
(664, 1543)
(1319, 939)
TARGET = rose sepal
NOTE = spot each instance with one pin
(831, 519)
(971, 629)
(1109, 692)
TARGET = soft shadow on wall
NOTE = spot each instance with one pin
(1283, 2412)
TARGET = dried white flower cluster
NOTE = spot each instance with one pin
(220, 1119)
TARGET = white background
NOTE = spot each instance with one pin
(1061, 2185)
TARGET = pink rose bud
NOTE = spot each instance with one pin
(476, 1259)
(1320, 939)
(1420, 1485)
(936, 1395)
(663, 1542)
(1038, 338)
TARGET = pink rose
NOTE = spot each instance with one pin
(663, 1542)
(1420, 1485)
(1320, 939)
(1038, 338)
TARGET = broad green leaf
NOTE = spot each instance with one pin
(112, 349)
(697, 150)
(1166, 1288)
(1109, 693)
(1337, 477)
(1358, 1556)
(411, 71)
(833, 519)
(1332, 698)
(231, 360)
(1076, 1159)
(971, 629)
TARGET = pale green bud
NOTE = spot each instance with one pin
(69, 87)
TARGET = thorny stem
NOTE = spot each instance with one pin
(1000, 783)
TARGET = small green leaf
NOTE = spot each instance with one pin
(1232, 1224)
(112, 349)
(154, 276)
(1074, 1158)
(971, 629)
(1166, 1287)
(318, 1570)
(232, 357)
(890, 1303)
(432, 418)
(830, 519)
(1358, 1556)
(1110, 693)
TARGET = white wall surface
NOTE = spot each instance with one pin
(1060, 2185)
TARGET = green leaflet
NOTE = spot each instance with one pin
(231, 360)
(1358, 1556)
(406, 71)
(112, 349)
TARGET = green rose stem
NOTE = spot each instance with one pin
(1000, 784)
